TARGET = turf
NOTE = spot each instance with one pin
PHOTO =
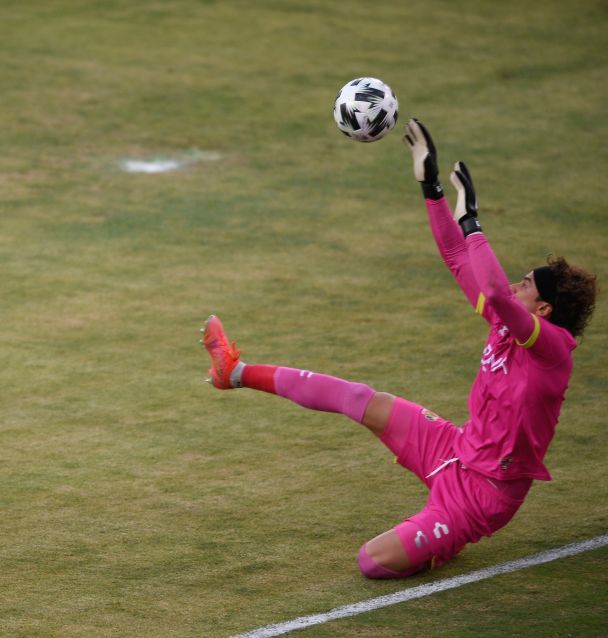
(136, 500)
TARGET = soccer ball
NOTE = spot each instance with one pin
(366, 109)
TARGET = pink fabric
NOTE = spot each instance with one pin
(452, 247)
(371, 569)
(462, 507)
(420, 439)
(322, 392)
(516, 489)
(516, 398)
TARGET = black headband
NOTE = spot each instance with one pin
(545, 284)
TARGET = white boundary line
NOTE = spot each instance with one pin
(426, 590)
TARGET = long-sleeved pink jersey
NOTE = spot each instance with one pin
(516, 398)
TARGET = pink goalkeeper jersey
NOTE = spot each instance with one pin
(525, 366)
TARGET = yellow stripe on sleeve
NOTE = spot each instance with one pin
(533, 337)
(481, 300)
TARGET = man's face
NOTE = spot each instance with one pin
(527, 292)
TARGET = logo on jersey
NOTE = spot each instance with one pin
(504, 463)
(429, 416)
(441, 529)
(489, 361)
(420, 538)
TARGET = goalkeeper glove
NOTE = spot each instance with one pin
(465, 212)
(420, 143)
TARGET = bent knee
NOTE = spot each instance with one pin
(377, 413)
(372, 569)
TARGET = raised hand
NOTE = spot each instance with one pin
(418, 139)
(465, 212)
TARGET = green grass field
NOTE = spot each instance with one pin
(138, 501)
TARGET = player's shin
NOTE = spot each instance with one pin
(310, 390)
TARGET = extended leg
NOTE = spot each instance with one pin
(308, 389)
(403, 550)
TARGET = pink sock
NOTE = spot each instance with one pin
(311, 390)
(324, 393)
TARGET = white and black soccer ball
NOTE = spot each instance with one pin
(366, 109)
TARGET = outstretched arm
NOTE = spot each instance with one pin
(493, 283)
(447, 234)
(452, 247)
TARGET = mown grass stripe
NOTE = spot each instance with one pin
(426, 590)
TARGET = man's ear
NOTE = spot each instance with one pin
(544, 309)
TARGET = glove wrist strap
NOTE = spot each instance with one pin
(432, 190)
(470, 225)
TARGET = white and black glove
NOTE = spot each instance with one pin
(465, 212)
(424, 154)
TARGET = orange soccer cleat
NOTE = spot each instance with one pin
(224, 355)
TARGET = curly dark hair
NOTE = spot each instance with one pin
(575, 295)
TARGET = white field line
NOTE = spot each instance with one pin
(165, 164)
(426, 590)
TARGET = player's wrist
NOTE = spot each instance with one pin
(469, 224)
(432, 190)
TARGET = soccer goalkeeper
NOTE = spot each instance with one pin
(478, 475)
